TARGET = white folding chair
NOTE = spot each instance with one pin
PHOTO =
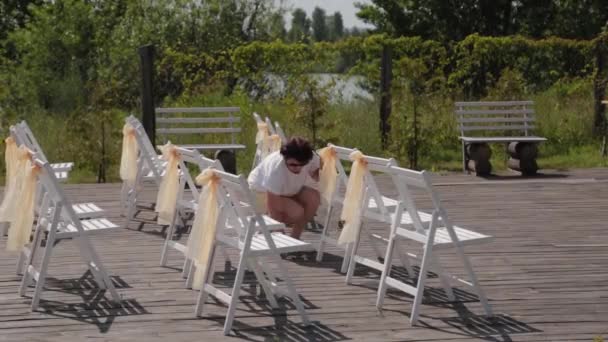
(26, 136)
(378, 208)
(59, 220)
(280, 132)
(150, 167)
(258, 149)
(186, 200)
(372, 210)
(237, 226)
(436, 235)
(23, 136)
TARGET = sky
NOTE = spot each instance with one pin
(345, 7)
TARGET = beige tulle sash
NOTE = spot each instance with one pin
(273, 143)
(21, 227)
(328, 175)
(267, 143)
(15, 170)
(128, 159)
(353, 200)
(200, 242)
(166, 198)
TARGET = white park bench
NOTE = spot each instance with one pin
(173, 122)
(509, 122)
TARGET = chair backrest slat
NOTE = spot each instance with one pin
(406, 180)
(193, 157)
(54, 193)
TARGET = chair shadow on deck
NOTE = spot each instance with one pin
(519, 177)
(284, 330)
(498, 328)
(254, 298)
(466, 323)
(95, 308)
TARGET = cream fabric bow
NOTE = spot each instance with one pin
(353, 200)
(328, 175)
(14, 177)
(21, 226)
(128, 158)
(166, 199)
(267, 143)
(202, 237)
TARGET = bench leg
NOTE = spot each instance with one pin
(228, 160)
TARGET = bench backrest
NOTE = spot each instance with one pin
(510, 117)
(197, 120)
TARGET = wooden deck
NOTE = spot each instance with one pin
(546, 275)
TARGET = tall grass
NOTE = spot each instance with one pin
(564, 116)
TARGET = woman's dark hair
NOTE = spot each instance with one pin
(297, 148)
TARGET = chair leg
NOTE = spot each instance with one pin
(348, 250)
(291, 289)
(25, 263)
(405, 261)
(240, 273)
(321, 247)
(168, 238)
(352, 257)
(386, 272)
(480, 293)
(124, 192)
(3, 229)
(426, 260)
(207, 278)
(102, 273)
(259, 274)
(445, 281)
(48, 250)
(186, 268)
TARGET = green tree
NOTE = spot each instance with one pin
(455, 20)
(277, 27)
(300, 26)
(337, 26)
(320, 32)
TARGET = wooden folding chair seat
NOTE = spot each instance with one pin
(59, 221)
(435, 235)
(241, 228)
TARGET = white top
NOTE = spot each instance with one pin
(272, 175)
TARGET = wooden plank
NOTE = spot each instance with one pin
(542, 284)
(495, 128)
(197, 120)
(502, 139)
(197, 130)
(170, 110)
(493, 103)
(499, 120)
(522, 112)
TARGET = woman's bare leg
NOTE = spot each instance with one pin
(286, 210)
(309, 199)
